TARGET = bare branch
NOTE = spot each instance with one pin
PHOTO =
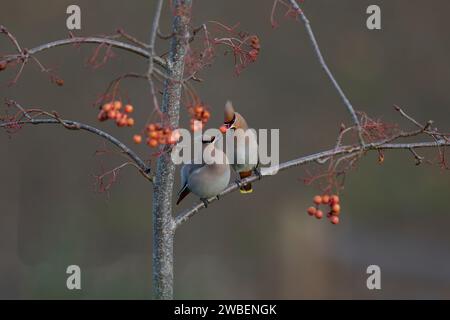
(153, 34)
(165, 36)
(74, 125)
(130, 38)
(11, 38)
(344, 150)
(155, 26)
(79, 40)
(324, 65)
(419, 159)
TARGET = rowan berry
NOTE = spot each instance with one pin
(311, 211)
(129, 108)
(334, 220)
(137, 138)
(317, 200)
(318, 214)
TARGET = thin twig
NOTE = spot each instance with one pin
(12, 39)
(153, 34)
(324, 65)
(165, 36)
(132, 39)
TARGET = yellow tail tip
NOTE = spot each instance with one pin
(246, 191)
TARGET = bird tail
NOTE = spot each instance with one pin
(183, 193)
(246, 188)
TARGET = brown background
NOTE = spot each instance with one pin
(257, 246)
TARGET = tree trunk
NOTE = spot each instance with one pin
(163, 223)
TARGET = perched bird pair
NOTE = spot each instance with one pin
(209, 180)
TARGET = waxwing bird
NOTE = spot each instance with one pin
(245, 160)
(205, 180)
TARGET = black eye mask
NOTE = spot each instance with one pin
(209, 141)
(228, 124)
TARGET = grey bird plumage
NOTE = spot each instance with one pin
(204, 180)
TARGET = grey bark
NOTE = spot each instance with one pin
(163, 222)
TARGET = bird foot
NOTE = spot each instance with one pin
(257, 172)
(238, 183)
(205, 202)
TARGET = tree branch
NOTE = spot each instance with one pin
(77, 40)
(344, 150)
(74, 125)
(324, 65)
(153, 34)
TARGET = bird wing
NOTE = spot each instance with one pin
(186, 171)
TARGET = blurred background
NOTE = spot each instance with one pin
(259, 246)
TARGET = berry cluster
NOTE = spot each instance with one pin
(113, 111)
(158, 135)
(256, 46)
(332, 201)
(199, 116)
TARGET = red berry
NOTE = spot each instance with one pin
(107, 107)
(137, 138)
(122, 122)
(129, 108)
(102, 116)
(325, 199)
(112, 114)
(317, 200)
(130, 122)
(223, 129)
(151, 127)
(334, 220)
(334, 199)
(117, 105)
(318, 214)
(152, 143)
(206, 115)
(336, 209)
(311, 211)
(198, 110)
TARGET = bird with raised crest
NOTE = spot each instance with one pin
(245, 156)
(207, 179)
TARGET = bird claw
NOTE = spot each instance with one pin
(205, 202)
(257, 172)
(238, 183)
